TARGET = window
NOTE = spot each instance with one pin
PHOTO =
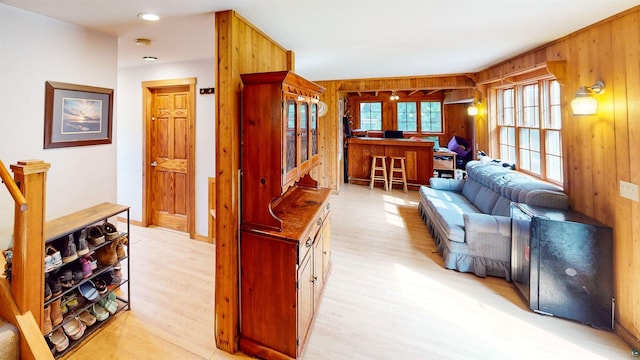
(429, 118)
(407, 116)
(371, 115)
(529, 121)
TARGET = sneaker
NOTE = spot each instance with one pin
(53, 259)
(96, 237)
(54, 285)
(86, 268)
(69, 253)
(83, 247)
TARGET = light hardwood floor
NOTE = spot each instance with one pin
(388, 297)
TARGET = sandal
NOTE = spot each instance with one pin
(59, 340)
(88, 291)
(87, 318)
(109, 303)
(99, 312)
(74, 328)
(101, 286)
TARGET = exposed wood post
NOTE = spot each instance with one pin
(27, 273)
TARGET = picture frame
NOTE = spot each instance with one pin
(77, 115)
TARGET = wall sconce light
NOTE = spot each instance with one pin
(473, 110)
(585, 104)
(394, 96)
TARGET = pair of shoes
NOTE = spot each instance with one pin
(107, 255)
(110, 278)
(96, 237)
(47, 291)
(54, 284)
(69, 252)
(109, 303)
(70, 300)
(59, 340)
(101, 286)
(88, 291)
(65, 277)
(92, 261)
(87, 318)
(53, 259)
(110, 231)
(74, 328)
(86, 268)
(99, 312)
(82, 247)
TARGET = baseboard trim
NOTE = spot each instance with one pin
(627, 336)
(197, 237)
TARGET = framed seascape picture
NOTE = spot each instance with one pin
(76, 115)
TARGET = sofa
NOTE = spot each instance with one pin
(470, 218)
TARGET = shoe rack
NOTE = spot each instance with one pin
(77, 325)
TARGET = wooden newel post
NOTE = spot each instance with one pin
(27, 273)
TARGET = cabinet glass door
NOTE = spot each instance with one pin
(304, 132)
(314, 130)
(291, 143)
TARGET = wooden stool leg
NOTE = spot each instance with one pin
(384, 175)
(373, 172)
(404, 175)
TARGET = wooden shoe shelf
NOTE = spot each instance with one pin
(60, 228)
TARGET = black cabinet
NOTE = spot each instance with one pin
(562, 263)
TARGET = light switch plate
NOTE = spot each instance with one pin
(629, 190)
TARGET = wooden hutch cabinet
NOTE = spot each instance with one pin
(285, 252)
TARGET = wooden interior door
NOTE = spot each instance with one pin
(169, 172)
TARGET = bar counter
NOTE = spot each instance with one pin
(418, 162)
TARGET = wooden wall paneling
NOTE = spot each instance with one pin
(329, 172)
(241, 48)
(211, 238)
(624, 32)
(598, 150)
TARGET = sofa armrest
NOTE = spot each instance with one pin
(488, 235)
(446, 184)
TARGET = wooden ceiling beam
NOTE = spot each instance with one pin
(444, 82)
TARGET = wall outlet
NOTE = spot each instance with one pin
(629, 190)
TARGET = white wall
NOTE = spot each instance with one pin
(33, 50)
(130, 129)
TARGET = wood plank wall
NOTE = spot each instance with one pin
(600, 151)
(241, 48)
(329, 172)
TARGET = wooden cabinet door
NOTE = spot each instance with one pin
(326, 245)
(290, 142)
(305, 296)
(318, 278)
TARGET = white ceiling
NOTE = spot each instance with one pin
(343, 39)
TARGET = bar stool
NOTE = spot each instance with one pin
(402, 179)
(375, 168)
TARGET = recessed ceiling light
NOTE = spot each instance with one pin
(150, 58)
(148, 17)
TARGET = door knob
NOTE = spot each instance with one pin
(154, 164)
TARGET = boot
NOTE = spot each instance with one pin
(107, 255)
(120, 249)
(47, 326)
(56, 313)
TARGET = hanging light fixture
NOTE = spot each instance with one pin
(584, 103)
(394, 96)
